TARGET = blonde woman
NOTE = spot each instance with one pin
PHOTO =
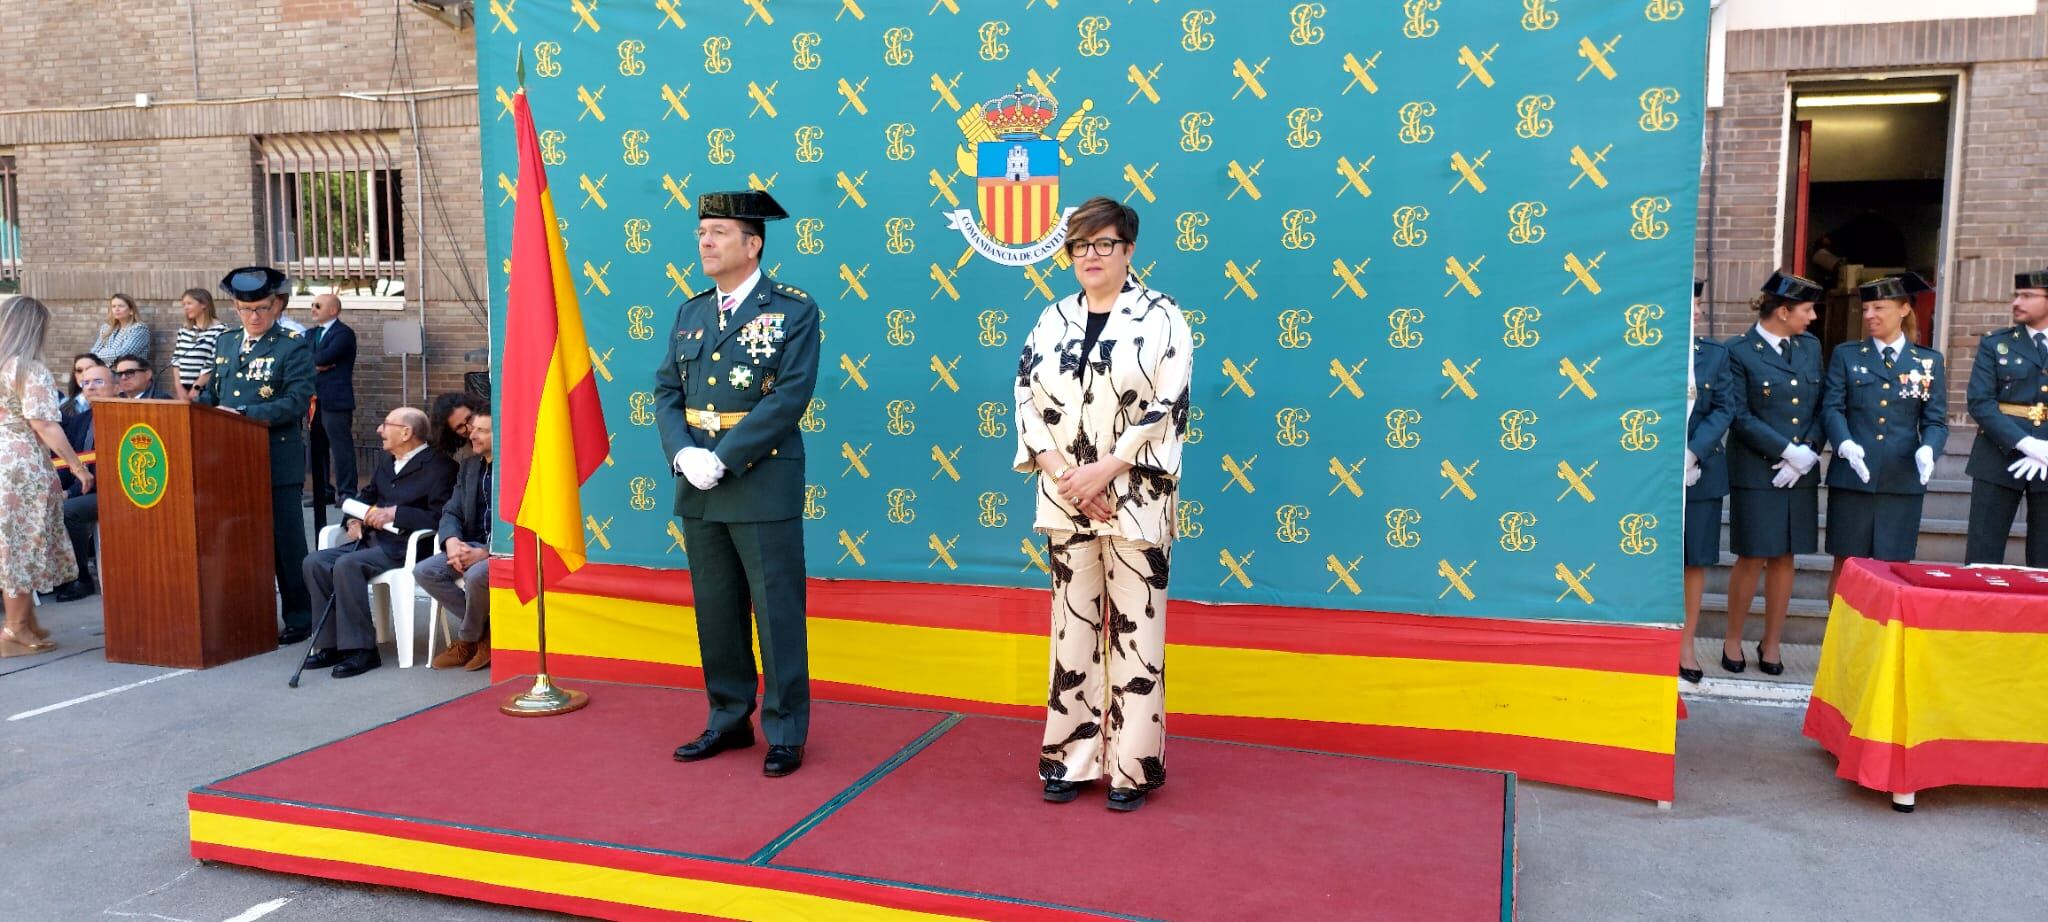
(35, 551)
(193, 354)
(1102, 410)
(123, 333)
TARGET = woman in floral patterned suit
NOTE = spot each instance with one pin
(1102, 409)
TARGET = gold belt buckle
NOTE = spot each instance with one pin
(2037, 412)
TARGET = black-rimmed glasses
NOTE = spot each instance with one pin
(1102, 246)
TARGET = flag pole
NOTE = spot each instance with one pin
(545, 697)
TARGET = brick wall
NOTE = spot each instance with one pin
(2000, 186)
(154, 201)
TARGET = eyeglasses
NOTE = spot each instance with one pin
(129, 373)
(250, 311)
(1102, 246)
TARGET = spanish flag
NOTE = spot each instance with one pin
(551, 433)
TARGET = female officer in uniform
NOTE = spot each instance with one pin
(1774, 496)
(1706, 478)
(1885, 409)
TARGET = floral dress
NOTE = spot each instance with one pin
(35, 553)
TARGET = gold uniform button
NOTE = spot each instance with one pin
(712, 381)
(714, 356)
(1884, 403)
(1795, 401)
(1880, 436)
(710, 408)
(1887, 387)
(1880, 420)
(1795, 420)
(774, 451)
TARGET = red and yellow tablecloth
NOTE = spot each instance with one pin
(1924, 687)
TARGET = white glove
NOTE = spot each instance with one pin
(2034, 448)
(1801, 457)
(1692, 468)
(1787, 475)
(1853, 454)
(2028, 469)
(1924, 460)
(700, 467)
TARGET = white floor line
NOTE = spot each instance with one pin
(260, 910)
(95, 696)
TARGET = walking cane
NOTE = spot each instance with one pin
(321, 622)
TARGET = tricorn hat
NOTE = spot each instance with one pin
(1901, 287)
(1793, 288)
(254, 283)
(747, 206)
(2035, 279)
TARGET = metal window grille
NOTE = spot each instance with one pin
(334, 208)
(10, 227)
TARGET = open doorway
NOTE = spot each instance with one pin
(1869, 190)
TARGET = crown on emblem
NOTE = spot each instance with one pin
(1018, 112)
(139, 441)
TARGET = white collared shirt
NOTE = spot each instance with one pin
(399, 465)
(1898, 346)
(739, 295)
(1777, 342)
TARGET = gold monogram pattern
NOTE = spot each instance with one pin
(1425, 253)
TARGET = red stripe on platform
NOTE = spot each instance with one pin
(767, 878)
(1601, 647)
(1606, 768)
(1903, 770)
(1882, 596)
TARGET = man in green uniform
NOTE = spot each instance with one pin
(2008, 397)
(742, 362)
(265, 372)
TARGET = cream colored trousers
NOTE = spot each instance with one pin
(1106, 711)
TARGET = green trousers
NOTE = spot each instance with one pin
(748, 577)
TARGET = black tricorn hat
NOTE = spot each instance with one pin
(745, 205)
(1793, 288)
(1901, 287)
(1699, 287)
(2035, 279)
(254, 283)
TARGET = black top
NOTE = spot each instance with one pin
(1096, 321)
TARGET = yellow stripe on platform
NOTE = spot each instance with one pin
(543, 875)
(1903, 685)
(1625, 710)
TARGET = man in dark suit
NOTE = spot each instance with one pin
(136, 380)
(460, 576)
(405, 495)
(742, 362)
(2008, 397)
(265, 372)
(81, 509)
(334, 384)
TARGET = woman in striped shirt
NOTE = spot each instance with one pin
(123, 334)
(194, 352)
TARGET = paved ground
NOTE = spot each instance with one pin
(92, 817)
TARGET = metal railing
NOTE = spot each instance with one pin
(333, 207)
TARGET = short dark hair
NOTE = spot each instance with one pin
(142, 364)
(1767, 304)
(1100, 213)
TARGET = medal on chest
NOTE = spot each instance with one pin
(1917, 383)
(761, 335)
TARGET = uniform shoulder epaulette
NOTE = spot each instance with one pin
(294, 334)
(792, 291)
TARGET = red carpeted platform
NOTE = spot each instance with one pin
(897, 813)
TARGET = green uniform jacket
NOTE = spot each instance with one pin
(1713, 411)
(1777, 404)
(272, 384)
(2008, 370)
(1866, 404)
(763, 363)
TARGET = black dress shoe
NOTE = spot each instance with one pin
(1124, 800)
(712, 742)
(1060, 792)
(1766, 666)
(356, 662)
(782, 760)
(321, 659)
(1732, 665)
(76, 589)
(292, 635)
(1691, 675)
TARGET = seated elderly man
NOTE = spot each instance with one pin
(81, 509)
(460, 576)
(405, 495)
(134, 377)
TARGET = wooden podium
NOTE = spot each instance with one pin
(186, 570)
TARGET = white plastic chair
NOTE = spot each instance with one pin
(394, 623)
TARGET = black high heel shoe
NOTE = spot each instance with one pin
(1691, 675)
(1766, 666)
(1733, 665)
